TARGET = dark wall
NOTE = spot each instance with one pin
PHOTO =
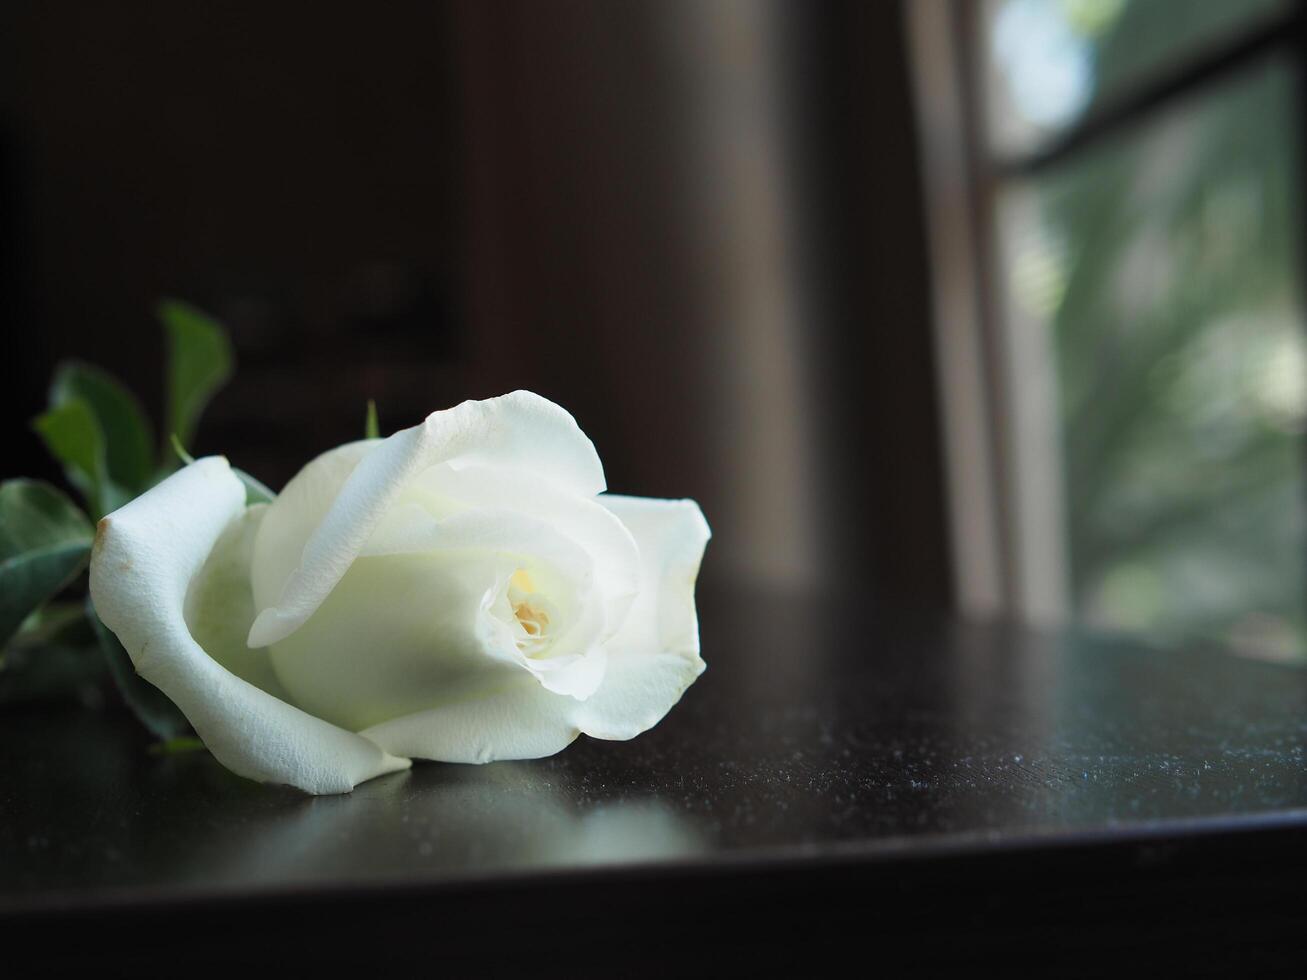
(423, 202)
(862, 179)
(295, 174)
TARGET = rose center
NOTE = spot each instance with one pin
(533, 612)
(533, 619)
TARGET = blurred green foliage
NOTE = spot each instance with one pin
(1166, 265)
(45, 541)
(102, 437)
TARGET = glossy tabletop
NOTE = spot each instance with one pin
(823, 737)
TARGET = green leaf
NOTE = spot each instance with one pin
(371, 427)
(53, 655)
(35, 515)
(255, 492)
(200, 361)
(150, 705)
(61, 621)
(48, 671)
(73, 436)
(45, 541)
(128, 440)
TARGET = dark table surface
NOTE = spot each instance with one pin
(835, 768)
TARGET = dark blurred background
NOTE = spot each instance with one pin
(991, 305)
(696, 226)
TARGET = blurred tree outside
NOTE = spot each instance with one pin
(1165, 263)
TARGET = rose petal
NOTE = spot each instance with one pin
(517, 719)
(407, 627)
(398, 634)
(146, 555)
(220, 604)
(651, 661)
(513, 540)
(519, 429)
(583, 520)
(655, 655)
(296, 514)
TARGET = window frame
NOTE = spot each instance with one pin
(1003, 486)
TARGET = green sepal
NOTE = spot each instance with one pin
(186, 458)
(371, 426)
(255, 491)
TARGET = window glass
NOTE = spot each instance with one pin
(1048, 61)
(1158, 274)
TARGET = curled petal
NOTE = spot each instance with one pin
(220, 604)
(655, 655)
(519, 429)
(295, 514)
(145, 558)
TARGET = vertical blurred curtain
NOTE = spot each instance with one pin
(632, 253)
(699, 225)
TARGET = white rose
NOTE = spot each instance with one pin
(460, 591)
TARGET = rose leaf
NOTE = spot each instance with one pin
(45, 541)
(200, 361)
(73, 436)
(128, 440)
(150, 705)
